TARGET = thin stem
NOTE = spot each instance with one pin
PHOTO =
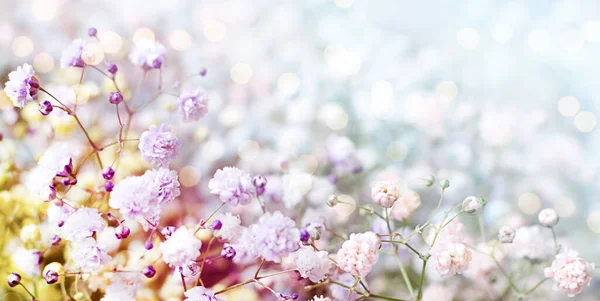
(28, 292)
(510, 282)
(554, 238)
(209, 217)
(482, 228)
(402, 270)
(536, 286)
(421, 281)
(183, 282)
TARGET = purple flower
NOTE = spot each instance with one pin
(71, 57)
(159, 146)
(232, 185)
(275, 236)
(200, 293)
(148, 54)
(193, 104)
(21, 86)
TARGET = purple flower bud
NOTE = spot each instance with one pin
(149, 271)
(45, 107)
(295, 296)
(51, 277)
(216, 225)
(115, 98)
(52, 194)
(122, 231)
(304, 235)
(157, 63)
(112, 68)
(108, 173)
(259, 181)
(67, 170)
(61, 223)
(14, 279)
(34, 87)
(109, 185)
(228, 252)
(167, 231)
(260, 190)
(203, 72)
(92, 32)
(55, 240)
(148, 245)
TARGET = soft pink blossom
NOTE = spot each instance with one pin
(385, 193)
(406, 204)
(450, 255)
(358, 254)
(569, 272)
(159, 146)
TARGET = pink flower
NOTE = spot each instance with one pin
(406, 205)
(193, 104)
(385, 193)
(450, 255)
(358, 254)
(312, 264)
(569, 272)
(159, 146)
(71, 57)
(275, 235)
(233, 186)
(21, 86)
(180, 248)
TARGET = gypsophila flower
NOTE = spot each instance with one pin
(167, 184)
(245, 247)
(137, 198)
(28, 262)
(180, 248)
(531, 243)
(123, 287)
(548, 217)
(148, 54)
(88, 256)
(450, 255)
(570, 272)
(314, 265)
(159, 146)
(275, 236)
(359, 253)
(200, 293)
(506, 234)
(230, 228)
(82, 224)
(71, 57)
(193, 104)
(58, 214)
(232, 185)
(56, 160)
(21, 86)
(385, 193)
(406, 205)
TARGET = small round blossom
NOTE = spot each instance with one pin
(193, 104)
(569, 272)
(406, 205)
(232, 185)
(167, 184)
(228, 252)
(71, 57)
(312, 264)
(358, 254)
(200, 293)
(135, 199)
(473, 205)
(115, 98)
(148, 54)
(89, 256)
(82, 224)
(531, 243)
(180, 248)
(149, 271)
(21, 86)
(159, 146)
(230, 227)
(506, 234)
(13, 279)
(122, 232)
(123, 287)
(275, 236)
(450, 256)
(548, 217)
(385, 193)
(28, 262)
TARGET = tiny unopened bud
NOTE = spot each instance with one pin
(216, 225)
(203, 72)
(429, 180)
(444, 183)
(51, 276)
(304, 235)
(45, 107)
(548, 217)
(53, 271)
(228, 252)
(157, 63)
(112, 68)
(332, 200)
(108, 173)
(115, 98)
(148, 245)
(109, 185)
(13, 279)
(506, 234)
(122, 231)
(473, 205)
(55, 240)
(92, 32)
(259, 181)
(149, 271)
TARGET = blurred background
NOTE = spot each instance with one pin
(499, 97)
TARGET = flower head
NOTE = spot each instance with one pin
(232, 185)
(406, 205)
(82, 224)
(89, 256)
(358, 254)
(159, 146)
(193, 104)
(71, 57)
(570, 272)
(136, 198)
(166, 183)
(180, 248)
(275, 236)
(450, 255)
(148, 54)
(230, 227)
(312, 264)
(28, 262)
(385, 193)
(21, 86)
(548, 217)
(200, 293)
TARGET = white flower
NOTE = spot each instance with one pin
(148, 54)
(180, 248)
(89, 256)
(123, 287)
(28, 262)
(570, 272)
(548, 217)
(82, 224)
(531, 244)
(55, 159)
(312, 264)
(71, 56)
(230, 228)
(21, 86)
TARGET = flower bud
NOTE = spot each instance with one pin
(45, 107)
(548, 217)
(203, 72)
(506, 234)
(228, 252)
(55, 240)
(259, 181)
(148, 245)
(108, 186)
(304, 235)
(51, 277)
(444, 183)
(216, 225)
(115, 98)
(429, 180)
(92, 32)
(473, 205)
(112, 68)
(13, 279)
(122, 231)
(108, 173)
(332, 200)
(385, 193)
(149, 271)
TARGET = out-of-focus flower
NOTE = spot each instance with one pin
(569, 272)
(232, 185)
(28, 262)
(230, 227)
(321, 298)
(71, 56)
(506, 234)
(275, 236)
(314, 265)
(342, 154)
(159, 146)
(200, 293)
(21, 86)
(148, 54)
(530, 243)
(88, 256)
(450, 255)
(437, 292)
(385, 193)
(123, 287)
(358, 254)
(548, 217)
(193, 104)
(180, 248)
(406, 205)
(82, 224)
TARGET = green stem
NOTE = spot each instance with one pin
(402, 269)
(421, 281)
